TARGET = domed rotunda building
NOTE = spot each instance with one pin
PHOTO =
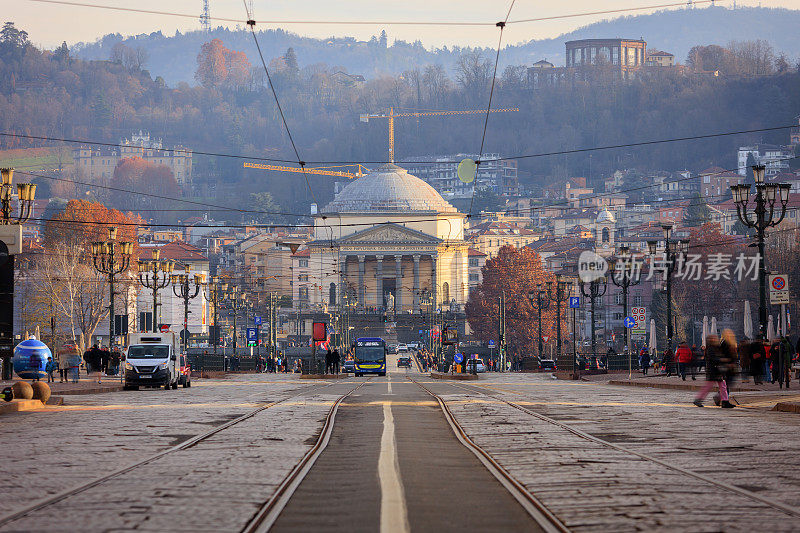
(387, 240)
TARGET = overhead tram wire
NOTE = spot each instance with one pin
(193, 16)
(502, 26)
(382, 161)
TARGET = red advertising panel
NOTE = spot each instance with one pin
(320, 331)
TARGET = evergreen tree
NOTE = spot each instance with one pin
(698, 212)
(383, 41)
(291, 62)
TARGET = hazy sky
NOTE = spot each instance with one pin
(49, 24)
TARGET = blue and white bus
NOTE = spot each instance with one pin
(370, 356)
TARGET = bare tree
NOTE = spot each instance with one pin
(436, 84)
(474, 73)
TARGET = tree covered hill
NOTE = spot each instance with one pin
(676, 31)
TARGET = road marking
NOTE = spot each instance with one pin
(394, 517)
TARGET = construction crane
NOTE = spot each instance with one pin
(360, 170)
(391, 115)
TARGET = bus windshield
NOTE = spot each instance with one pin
(370, 354)
(148, 351)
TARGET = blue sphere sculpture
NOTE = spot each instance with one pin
(30, 359)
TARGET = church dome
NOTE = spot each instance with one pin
(605, 216)
(388, 188)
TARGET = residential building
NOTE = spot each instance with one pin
(441, 172)
(775, 158)
(489, 237)
(715, 182)
(657, 58)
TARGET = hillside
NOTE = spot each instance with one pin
(174, 58)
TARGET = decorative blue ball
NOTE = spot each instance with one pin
(30, 359)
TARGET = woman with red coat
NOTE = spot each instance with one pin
(684, 356)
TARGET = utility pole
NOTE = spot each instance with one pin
(624, 277)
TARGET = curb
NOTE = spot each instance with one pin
(674, 386)
(787, 407)
(19, 406)
(457, 377)
(94, 390)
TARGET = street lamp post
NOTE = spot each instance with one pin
(563, 291)
(214, 287)
(108, 261)
(181, 289)
(765, 217)
(623, 276)
(149, 278)
(673, 250)
(11, 239)
(597, 289)
(540, 298)
(238, 300)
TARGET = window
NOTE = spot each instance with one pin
(473, 261)
(637, 300)
(617, 316)
(706, 179)
(303, 277)
(473, 278)
(304, 263)
(303, 292)
(332, 294)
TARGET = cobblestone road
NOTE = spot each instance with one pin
(593, 487)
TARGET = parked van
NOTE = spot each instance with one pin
(152, 360)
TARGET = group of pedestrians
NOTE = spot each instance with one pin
(332, 361)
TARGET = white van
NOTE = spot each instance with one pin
(152, 360)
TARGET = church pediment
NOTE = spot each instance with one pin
(390, 234)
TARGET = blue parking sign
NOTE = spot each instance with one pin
(252, 334)
(574, 302)
(257, 320)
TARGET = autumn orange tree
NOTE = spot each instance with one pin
(82, 222)
(136, 174)
(517, 272)
(218, 66)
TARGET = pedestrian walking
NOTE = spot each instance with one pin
(716, 369)
(644, 360)
(684, 355)
(335, 360)
(745, 359)
(697, 361)
(758, 355)
(782, 362)
(50, 367)
(669, 362)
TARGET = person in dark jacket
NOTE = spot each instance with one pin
(644, 360)
(782, 361)
(757, 356)
(717, 361)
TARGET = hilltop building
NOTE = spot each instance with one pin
(494, 173)
(98, 162)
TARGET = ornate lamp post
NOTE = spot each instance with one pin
(155, 275)
(215, 291)
(673, 250)
(111, 258)
(623, 276)
(11, 238)
(597, 289)
(182, 289)
(542, 301)
(563, 291)
(767, 194)
(238, 301)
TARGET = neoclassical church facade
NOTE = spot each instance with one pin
(387, 241)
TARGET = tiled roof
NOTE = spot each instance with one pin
(182, 251)
(472, 252)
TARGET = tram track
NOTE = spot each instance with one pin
(189, 443)
(266, 516)
(536, 509)
(779, 506)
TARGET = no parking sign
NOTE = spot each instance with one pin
(778, 289)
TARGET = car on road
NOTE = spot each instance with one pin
(547, 365)
(480, 366)
(402, 348)
(404, 362)
(349, 365)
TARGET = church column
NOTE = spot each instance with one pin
(379, 280)
(361, 292)
(398, 297)
(416, 283)
(434, 287)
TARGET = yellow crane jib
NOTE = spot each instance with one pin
(360, 170)
(391, 115)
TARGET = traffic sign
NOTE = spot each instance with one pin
(778, 289)
(164, 328)
(545, 338)
(458, 357)
(252, 335)
(574, 302)
(257, 320)
(639, 316)
(491, 343)
(629, 322)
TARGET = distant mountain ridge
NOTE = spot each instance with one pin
(174, 58)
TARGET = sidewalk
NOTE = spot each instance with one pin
(764, 396)
(83, 386)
